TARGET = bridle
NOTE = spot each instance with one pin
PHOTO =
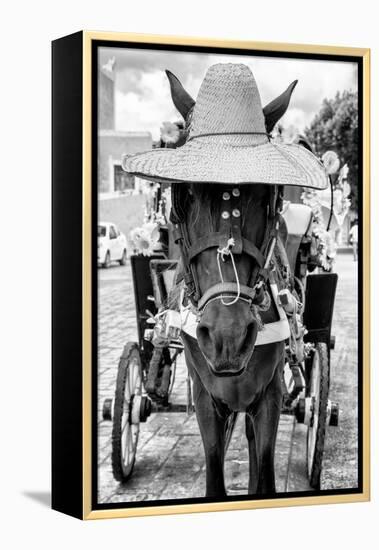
(228, 241)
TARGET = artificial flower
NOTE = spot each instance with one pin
(331, 162)
(344, 171)
(144, 239)
(169, 132)
(290, 135)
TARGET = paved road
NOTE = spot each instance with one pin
(170, 461)
(341, 445)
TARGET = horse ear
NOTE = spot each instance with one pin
(277, 107)
(181, 99)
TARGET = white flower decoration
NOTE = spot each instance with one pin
(331, 162)
(144, 239)
(290, 135)
(344, 171)
(169, 132)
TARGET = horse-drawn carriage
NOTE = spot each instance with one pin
(273, 320)
(146, 371)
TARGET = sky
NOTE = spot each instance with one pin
(142, 92)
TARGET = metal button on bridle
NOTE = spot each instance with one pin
(236, 192)
(226, 196)
(236, 213)
(225, 215)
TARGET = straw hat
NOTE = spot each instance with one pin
(228, 142)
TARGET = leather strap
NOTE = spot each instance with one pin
(253, 251)
(225, 289)
(214, 240)
(203, 243)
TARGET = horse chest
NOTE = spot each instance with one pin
(238, 393)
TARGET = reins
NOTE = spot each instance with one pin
(221, 253)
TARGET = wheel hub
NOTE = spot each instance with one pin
(140, 409)
(304, 410)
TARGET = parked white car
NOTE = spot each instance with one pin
(111, 244)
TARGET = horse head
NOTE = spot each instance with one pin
(229, 324)
(225, 271)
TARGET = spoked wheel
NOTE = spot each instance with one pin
(318, 392)
(127, 410)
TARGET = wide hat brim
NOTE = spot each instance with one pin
(236, 160)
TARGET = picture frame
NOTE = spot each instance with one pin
(78, 404)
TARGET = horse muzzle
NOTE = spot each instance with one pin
(224, 371)
(226, 337)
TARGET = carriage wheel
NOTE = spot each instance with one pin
(318, 391)
(125, 421)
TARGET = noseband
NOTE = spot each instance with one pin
(228, 241)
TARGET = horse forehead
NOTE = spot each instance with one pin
(218, 191)
(220, 207)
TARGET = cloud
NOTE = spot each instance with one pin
(143, 99)
(145, 111)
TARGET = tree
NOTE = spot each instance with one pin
(336, 128)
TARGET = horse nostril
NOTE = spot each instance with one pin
(249, 336)
(208, 340)
(203, 333)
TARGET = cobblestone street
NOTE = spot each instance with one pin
(170, 460)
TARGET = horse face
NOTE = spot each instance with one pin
(226, 334)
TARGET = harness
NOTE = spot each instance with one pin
(228, 241)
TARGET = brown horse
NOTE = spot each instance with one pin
(229, 292)
(229, 373)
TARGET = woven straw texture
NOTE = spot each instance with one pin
(229, 103)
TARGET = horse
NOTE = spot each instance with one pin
(228, 290)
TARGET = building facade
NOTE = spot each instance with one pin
(113, 144)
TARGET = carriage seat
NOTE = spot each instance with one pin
(298, 220)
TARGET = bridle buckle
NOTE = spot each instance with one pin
(226, 250)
